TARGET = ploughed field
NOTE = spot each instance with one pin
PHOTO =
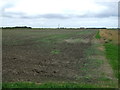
(54, 56)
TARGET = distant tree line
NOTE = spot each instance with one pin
(17, 27)
(97, 28)
(25, 27)
(82, 28)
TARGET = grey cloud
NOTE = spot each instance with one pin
(104, 14)
(109, 12)
(59, 16)
(12, 14)
(48, 16)
(112, 9)
(24, 16)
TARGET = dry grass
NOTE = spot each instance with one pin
(109, 35)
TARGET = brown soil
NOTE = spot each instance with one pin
(36, 63)
(26, 64)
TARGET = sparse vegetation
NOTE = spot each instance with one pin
(98, 35)
(55, 51)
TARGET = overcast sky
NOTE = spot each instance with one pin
(67, 13)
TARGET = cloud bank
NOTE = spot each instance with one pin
(59, 11)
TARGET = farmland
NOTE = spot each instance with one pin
(55, 56)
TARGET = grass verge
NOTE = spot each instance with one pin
(111, 51)
(46, 85)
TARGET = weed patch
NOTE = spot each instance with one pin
(98, 35)
(55, 52)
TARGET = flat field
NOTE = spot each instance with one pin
(58, 56)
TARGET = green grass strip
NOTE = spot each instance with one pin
(111, 51)
(46, 85)
(98, 35)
